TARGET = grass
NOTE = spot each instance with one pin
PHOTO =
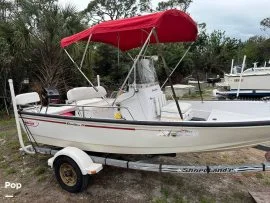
(7, 121)
(165, 197)
(10, 170)
(2, 158)
(204, 199)
(159, 200)
(7, 132)
(171, 180)
(240, 196)
(16, 157)
(177, 198)
(4, 165)
(181, 189)
(266, 179)
(165, 192)
(40, 170)
(180, 200)
(259, 175)
(14, 144)
(42, 178)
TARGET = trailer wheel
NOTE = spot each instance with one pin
(69, 175)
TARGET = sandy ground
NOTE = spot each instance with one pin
(123, 185)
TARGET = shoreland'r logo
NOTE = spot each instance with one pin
(204, 170)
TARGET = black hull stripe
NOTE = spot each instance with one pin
(157, 123)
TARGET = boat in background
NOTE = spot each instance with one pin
(250, 83)
(255, 78)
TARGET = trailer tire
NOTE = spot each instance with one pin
(69, 175)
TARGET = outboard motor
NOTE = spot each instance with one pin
(50, 95)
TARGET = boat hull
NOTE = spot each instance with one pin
(137, 137)
(249, 82)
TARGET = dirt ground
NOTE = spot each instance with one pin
(123, 185)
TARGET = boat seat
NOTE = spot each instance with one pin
(160, 101)
(170, 112)
(85, 93)
(27, 98)
(33, 97)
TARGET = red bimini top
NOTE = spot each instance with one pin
(128, 33)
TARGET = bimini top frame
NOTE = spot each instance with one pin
(129, 33)
(125, 34)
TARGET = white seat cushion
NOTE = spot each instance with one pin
(83, 93)
(27, 98)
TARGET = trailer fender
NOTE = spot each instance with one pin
(82, 159)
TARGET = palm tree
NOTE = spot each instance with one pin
(32, 37)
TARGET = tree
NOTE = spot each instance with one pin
(265, 23)
(6, 8)
(102, 10)
(212, 53)
(257, 49)
(32, 37)
(170, 4)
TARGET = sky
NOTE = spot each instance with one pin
(238, 18)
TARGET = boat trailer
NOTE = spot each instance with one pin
(88, 164)
(165, 168)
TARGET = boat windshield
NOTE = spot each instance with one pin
(145, 71)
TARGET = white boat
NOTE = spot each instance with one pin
(255, 78)
(141, 120)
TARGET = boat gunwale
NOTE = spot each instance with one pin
(156, 123)
(247, 75)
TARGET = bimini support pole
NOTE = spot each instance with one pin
(75, 64)
(88, 42)
(169, 77)
(241, 74)
(134, 65)
(19, 130)
(177, 65)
